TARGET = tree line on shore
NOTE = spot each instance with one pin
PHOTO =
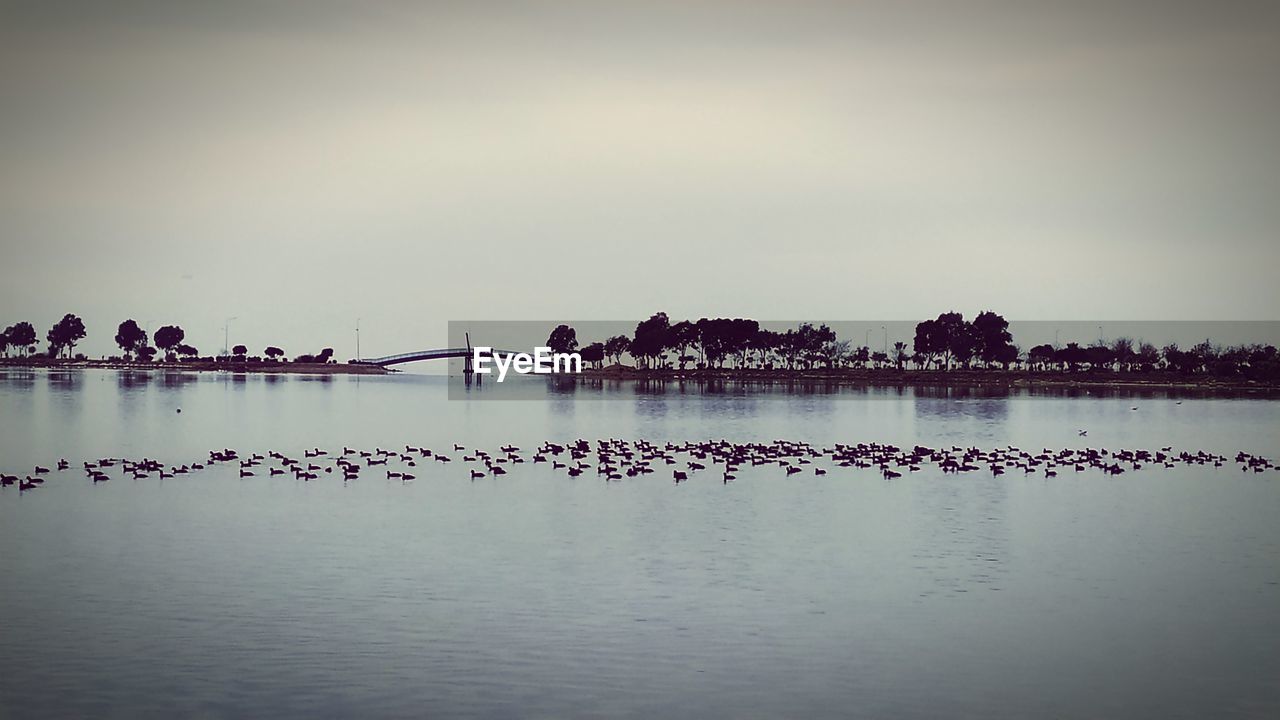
(948, 342)
(21, 338)
(945, 343)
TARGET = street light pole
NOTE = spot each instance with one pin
(866, 338)
(886, 340)
(357, 339)
(226, 333)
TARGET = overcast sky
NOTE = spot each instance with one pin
(301, 165)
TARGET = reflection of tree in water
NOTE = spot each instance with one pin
(20, 379)
(129, 380)
(322, 379)
(563, 384)
(564, 395)
(963, 392)
(66, 393)
(650, 387)
(1138, 393)
(961, 538)
(985, 404)
(172, 380)
(65, 382)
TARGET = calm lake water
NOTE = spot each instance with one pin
(1152, 594)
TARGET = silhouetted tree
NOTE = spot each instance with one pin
(563, 339)
(1041, 356)
(725, 338)
(1180, 360)
(965, 344)
(131, 338)
(273, 352)
(836, 352)
(791, 347)
(681, 337)
(929, 342)
(650, 338)
(65, 334)
(1148, 356)
(765, 344)
(325, 355)
(186, 351)
(742, 331)
(593, 354)
(616, 346)
(239, 351)
(900, 354)
(1072, 356)
(169, 337)
(21, 335)
(1264, 364)
(1007, 355)
(4, 342)
(1122, 351)
(991, 335)
(813, 342)
(713, 340)
(862, 356)
(1099, 355)
(146, 353)
(1205, 355)
(947, 338)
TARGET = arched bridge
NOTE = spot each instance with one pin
(440, 354)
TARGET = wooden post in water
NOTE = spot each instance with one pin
(467, 369)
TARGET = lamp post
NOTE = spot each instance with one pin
(886, 340)
(226, 333)
(357, 339)
(866, 338)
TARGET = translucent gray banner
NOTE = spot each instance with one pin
(981, 354)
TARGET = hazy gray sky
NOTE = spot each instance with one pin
(299, 165)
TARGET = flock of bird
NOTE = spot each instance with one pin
(614, 459)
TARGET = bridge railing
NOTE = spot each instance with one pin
(420, 353)
(425, 355)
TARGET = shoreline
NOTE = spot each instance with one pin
(880, 377)
(888, 377)
(237, 368)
